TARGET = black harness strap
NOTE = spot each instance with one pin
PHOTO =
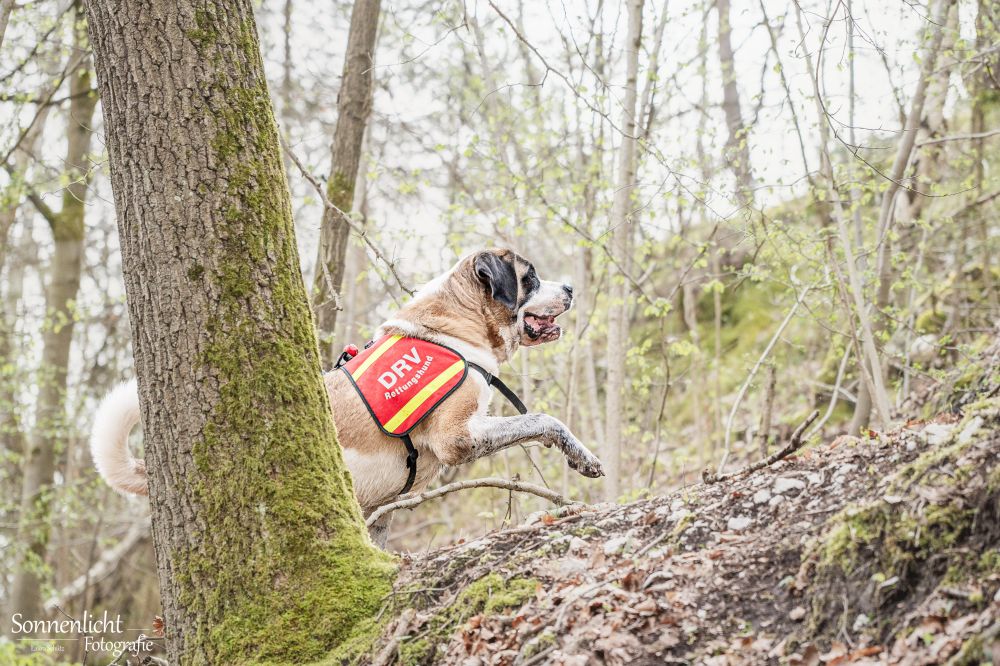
(411, 452)
(495, 382)
(411, 463)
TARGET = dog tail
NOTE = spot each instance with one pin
(115, 418)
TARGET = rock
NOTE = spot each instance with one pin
(785, 483)
(924, 349)
(893, 499)
(739, 523)
(612, 546)
(679, 515)
(578, 545)
(861, 621)
(776, 500)
(761, 496)
(970, 430)
(814, 478)
(797, 614)
(936, 434)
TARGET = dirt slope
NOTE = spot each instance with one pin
(882, 550)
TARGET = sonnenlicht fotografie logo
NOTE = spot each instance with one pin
(92, 630)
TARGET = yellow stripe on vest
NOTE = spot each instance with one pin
(425, 393)
(381, 349)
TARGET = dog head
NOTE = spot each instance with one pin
(521, 306)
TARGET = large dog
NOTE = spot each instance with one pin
(489, 304)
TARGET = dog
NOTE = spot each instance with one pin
(486, 307)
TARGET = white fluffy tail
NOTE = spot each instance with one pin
(115, 418)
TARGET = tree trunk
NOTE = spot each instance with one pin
(57, 337)
(11, 434)
(863, 407)
(737, 147)
(621, 228)
(261, 551)
(353, 108)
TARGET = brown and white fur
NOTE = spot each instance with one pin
(489, 304)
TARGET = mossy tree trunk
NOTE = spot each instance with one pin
(50, 426)
(261, 551)
(353, 109)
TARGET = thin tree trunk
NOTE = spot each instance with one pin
(737, 147)
(621, 228)
(353, 109)
(11, 434)
(50, 426)
(862, 408)
(261, 551)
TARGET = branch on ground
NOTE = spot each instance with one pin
(793, 445)
(410, 501)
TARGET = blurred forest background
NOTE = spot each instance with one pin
(765, 209)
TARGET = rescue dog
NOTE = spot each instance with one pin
(489, 304)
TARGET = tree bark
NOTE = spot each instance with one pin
(57, 336)
(737, 147)
(353, 109)
(620, 230)
(261, 551)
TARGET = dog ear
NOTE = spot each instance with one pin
(499, 276)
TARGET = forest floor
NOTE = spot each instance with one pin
(881, 550)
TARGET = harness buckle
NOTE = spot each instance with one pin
(350, 351)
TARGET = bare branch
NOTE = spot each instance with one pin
(355, 227)
(410, 501)
(793, 445)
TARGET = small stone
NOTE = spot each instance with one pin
(739, 523)
(814, 478)
(893, 499)
(679, 515)
(861, 621)
(761, 496)
(578, 545)
(776, 500)
(970, 429)
(937, 433)
(785, 483)
(797, 614)
(612, 546)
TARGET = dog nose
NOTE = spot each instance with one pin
(568, 288)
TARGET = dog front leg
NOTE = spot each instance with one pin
(491, 434)
(379, 531)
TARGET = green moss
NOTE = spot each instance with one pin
(930, 321)
(973, 653)
(489, 596)
(913, 545)
(414, 652)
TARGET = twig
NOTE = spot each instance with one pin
(765, 417)
(387, 654)
(355, 227)
(834, 395)
(793, 444)
(753, 372)
(410, 501)
(957, 137)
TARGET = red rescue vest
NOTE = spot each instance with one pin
(402, 380)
